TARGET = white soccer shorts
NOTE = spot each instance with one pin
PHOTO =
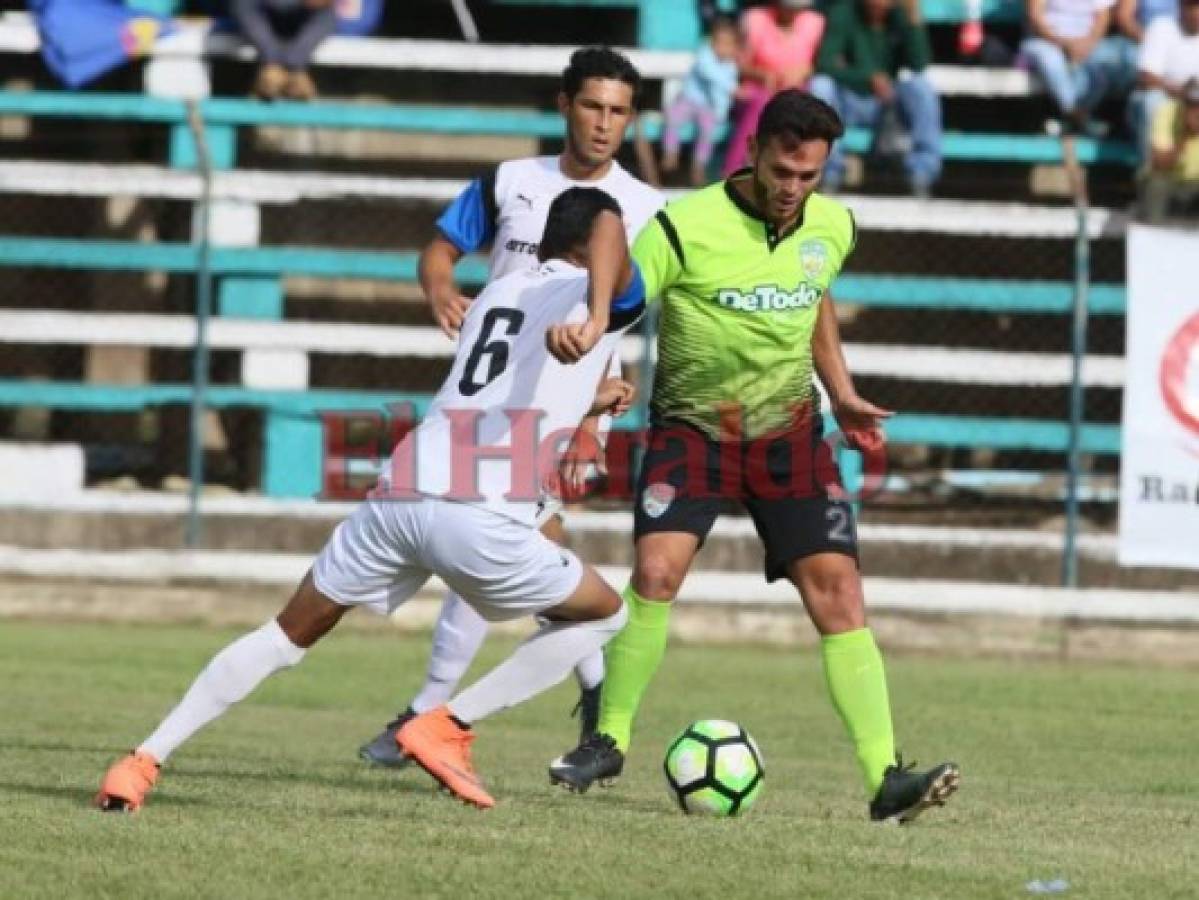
(387, 549)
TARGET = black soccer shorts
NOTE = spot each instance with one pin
(787, 483)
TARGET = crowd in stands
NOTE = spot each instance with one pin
(868, 59)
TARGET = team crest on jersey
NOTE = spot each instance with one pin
(656, 499)
(813, 256)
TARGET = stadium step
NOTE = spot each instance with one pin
(902, 547)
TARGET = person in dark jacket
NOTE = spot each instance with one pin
(871, 71)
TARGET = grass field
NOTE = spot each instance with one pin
(1081, 773)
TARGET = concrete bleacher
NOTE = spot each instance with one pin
(293, 440)
(251, 279)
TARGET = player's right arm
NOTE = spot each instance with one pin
(860, 420)
(609, 274)
(466, 225)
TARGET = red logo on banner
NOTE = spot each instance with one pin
(1172, 378)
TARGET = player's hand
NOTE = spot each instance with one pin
(861, 422)
(570, 343)
(583, 459)
(614, 397)
(449, 309)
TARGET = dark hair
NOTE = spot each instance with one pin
(571, 218)
(600, 62)
(722, 22)
(794, 115)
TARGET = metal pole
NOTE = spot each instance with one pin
(1078, 350)
(195, 450)
(470, 31)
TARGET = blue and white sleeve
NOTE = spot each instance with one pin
(469, 223)
(629, 305)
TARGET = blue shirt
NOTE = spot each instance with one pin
(711, 82)
(1148, 10)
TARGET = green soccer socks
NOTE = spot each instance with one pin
(857, 685)
(631, 659)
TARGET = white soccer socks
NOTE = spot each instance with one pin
(229, 677)
(537, 665)
(459, 633)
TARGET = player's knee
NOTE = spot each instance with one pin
(657, 577)
(839, 589)
(309, 615)
(834, 598)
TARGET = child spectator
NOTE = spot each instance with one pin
(780, 42)
(286, 34)
(705, 99)
(1171, 186)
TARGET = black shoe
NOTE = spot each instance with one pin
(595, 759)
(383, 750)
(588, 709)
(905, 793)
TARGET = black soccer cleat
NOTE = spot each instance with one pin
(595, 759)
(588, 711)
(382, 750)
(905, 793)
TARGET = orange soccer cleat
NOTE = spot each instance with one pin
(442, 748)
(127, 782)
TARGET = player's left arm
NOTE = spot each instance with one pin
(860, 420)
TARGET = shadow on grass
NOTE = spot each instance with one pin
(82, 797)
(353, 780)
(58, 747)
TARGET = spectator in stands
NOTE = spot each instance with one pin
(285, 33)
(1171, 185)
(779, 51)
(704, 99)
(866, 45)
(1080, 66)
(711, 10)
(1133, 17)
(1169, 58)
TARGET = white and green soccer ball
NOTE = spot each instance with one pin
(715, 768)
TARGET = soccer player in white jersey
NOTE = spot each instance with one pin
(460, 500)
(505, 210)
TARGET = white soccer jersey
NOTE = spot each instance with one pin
(495, 431)
(507, 209)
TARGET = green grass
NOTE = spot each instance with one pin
(1083, 773)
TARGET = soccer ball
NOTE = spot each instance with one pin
(714, 767)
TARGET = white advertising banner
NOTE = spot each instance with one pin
(1159, 467)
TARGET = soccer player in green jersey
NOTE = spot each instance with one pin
(743, 270)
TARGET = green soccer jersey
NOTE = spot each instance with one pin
(739, 305)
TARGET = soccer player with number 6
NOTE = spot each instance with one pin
(472, 522)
